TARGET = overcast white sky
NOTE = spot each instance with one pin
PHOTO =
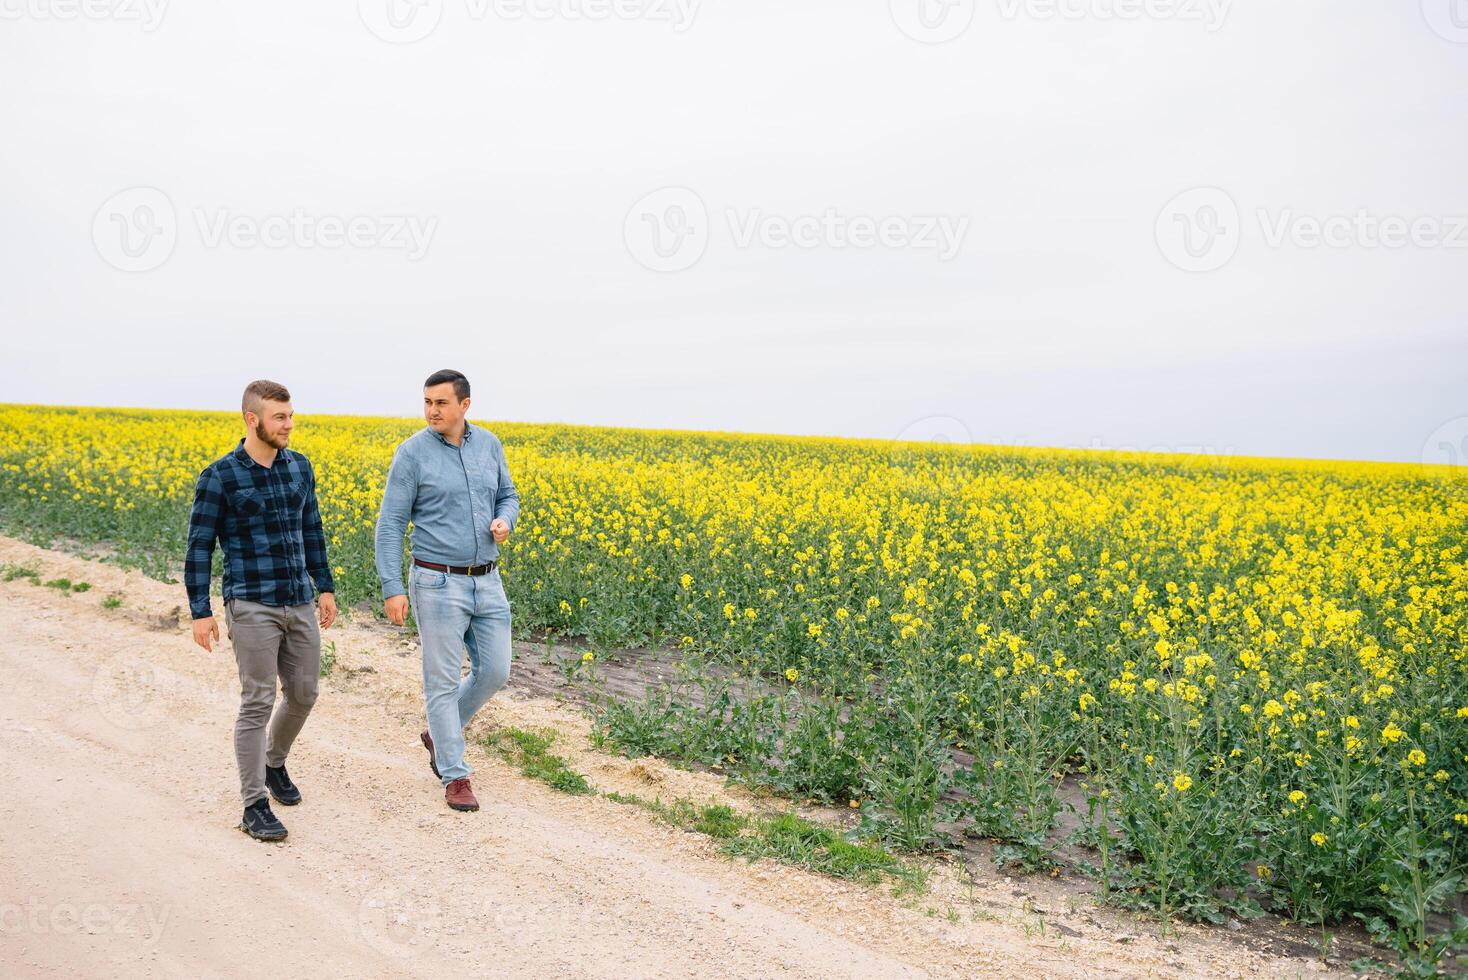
(1076, 299)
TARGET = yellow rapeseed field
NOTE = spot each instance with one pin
(1246, 677)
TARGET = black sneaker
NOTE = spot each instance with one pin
(260, 823)
(280, 786)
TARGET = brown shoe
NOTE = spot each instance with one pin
(428, 744)
(460, 796)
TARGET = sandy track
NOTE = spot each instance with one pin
(119, 853)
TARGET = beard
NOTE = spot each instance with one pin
(275, 442)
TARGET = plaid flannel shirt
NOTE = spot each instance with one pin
(267, 521)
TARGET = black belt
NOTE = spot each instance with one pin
(456, 569)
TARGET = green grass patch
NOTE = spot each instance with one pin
(60, 584)
(13, 572)
(111, 602)
(529, 751)
(787, 838)
(81, 586)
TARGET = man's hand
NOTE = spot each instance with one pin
(396, 609)
(326, 610)
(500, 528)
(206, 633)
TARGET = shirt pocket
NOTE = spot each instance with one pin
(246, 503)
(295, 496)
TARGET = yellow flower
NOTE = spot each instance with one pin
(1181, 781)
(1297, 797)
(1417, 757)
(588, 657)
(791, 674)
(1318, 839)
(1391, 733)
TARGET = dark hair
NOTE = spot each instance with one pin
(262, 391)
(461, 383)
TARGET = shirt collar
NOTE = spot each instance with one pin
(468, 433)
(248, 460)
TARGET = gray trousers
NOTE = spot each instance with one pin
(270, 642)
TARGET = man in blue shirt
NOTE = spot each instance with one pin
(259, 503)
(451, 480)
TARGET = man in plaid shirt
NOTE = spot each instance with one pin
(259, 503)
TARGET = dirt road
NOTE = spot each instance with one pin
(119, 853)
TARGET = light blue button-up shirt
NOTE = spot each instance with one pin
(451, 494)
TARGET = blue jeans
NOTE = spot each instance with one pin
(456, 612)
